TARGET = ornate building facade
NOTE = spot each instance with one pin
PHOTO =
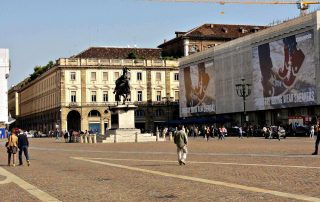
(204, 37)
(76, 92)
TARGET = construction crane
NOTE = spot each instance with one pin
(301, 4)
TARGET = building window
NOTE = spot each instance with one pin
(139, 76)
(105, 76)
(139, 113)
(72, 76)
(176, 76)
(194, 48)
(176, 95)
(93, 76)
(94, 96)
(159, 112)
(158, 98)
(73, 96)
(105, 96)
(139, 98)
(158, 76)
(116, 75)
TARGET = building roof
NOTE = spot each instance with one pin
(216, 31)
(119, 53)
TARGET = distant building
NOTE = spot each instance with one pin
(76, 92)
(203, 37)
(4, 75)
(281, 65)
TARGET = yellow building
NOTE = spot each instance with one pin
(76, 92)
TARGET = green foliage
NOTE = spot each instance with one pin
(38, 70)
(132, 55)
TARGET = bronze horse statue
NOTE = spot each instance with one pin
(122, 87)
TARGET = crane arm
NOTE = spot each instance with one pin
(242, 1)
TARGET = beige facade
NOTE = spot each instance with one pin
(76, 94)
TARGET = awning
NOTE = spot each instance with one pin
(199, 120)
(10, 120)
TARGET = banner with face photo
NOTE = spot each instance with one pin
(197, 89)
(284, 72)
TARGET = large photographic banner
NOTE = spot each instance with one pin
(197, 89)
(284, 72)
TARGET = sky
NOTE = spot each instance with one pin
(37, 31)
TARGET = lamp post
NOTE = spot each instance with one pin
(168, 100)
(243, 90)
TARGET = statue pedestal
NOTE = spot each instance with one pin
(122, 124)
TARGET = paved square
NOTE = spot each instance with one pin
(248, 169)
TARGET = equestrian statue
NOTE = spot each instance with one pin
(122, 87)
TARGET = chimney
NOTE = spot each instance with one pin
(178, 34)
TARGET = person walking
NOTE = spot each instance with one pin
(181, 141)
(240, 132)
(66, 136)
(23, 145)
(312, 131)
(57, 134)
(317, 130)
(12, 147)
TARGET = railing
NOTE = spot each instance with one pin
(116, 62)
(107, 104)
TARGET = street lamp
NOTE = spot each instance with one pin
(168, 100)
(243, 90)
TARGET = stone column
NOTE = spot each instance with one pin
(63, 121)
(102, 126)
(186, 47)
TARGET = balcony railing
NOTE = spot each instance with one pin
(116, 62)
(107, 104)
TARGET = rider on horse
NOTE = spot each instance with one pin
(122, 86)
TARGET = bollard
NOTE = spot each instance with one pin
(157, 136)
(136, 139)
(115, 138)
(85, 139)
(170, 136)
(81, 138)
(94, 139)
(90, 139)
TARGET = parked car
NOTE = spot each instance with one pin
(301, 131)
(234, 131)
(29, 135)
(39, 134)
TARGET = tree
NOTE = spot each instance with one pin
(38, 70)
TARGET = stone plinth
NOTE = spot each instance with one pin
(122, 126)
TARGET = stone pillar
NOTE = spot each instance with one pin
(63, 121)
(115, 138)
(186, 47)
(102, 126)
(136, 139)
(84, 120)
(157, 134)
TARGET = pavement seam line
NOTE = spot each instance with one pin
(215, 163)
(226, 184)
(41, 195)
(172, 153)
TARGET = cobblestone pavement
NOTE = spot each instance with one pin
(248, 169)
